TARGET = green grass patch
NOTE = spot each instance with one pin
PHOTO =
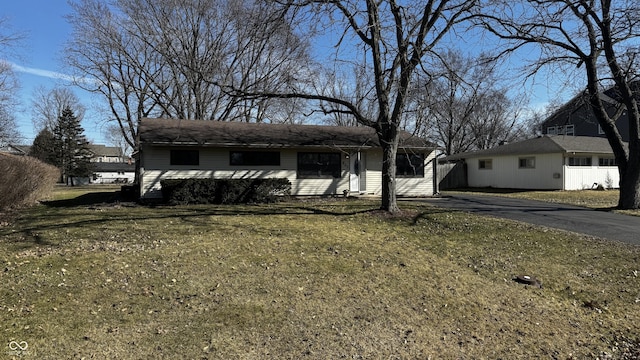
(308, 279)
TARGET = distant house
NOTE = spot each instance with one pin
(106, 154)
(21, 150)
(113, 173)
(576, 118)
(317, 160)
(556, 162)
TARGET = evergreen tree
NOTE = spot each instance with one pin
(44, 148)
(71, 147)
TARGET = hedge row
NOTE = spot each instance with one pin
(224, 191)
(25, 180)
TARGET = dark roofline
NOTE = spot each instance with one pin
(542, 145)
(175, 132)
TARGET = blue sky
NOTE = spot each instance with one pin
(38, 62)
(37, 59)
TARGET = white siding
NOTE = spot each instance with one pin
(214, 163)
(505, 172)
(584, 177)
(423, 186)
(549, 173)
(373, 173)
(418, 186)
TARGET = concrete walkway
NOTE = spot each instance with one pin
(602, 224)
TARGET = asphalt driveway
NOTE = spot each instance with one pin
(602, 224)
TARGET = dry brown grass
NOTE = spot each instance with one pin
(317, 280)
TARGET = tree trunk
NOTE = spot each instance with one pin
(389, 142)
(389, 199)
(630, 179)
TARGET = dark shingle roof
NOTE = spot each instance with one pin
(103, 150)
(219, 133)
(543, 145)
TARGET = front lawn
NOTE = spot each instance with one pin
(322, 279)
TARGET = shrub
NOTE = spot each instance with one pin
(224, 191)
(25, 180)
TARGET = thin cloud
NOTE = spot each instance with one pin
(41, 72)
(51, 74)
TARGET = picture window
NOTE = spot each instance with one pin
(409, 165)
(319, 165)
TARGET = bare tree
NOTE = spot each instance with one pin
(391, 41)
(599, 36)
(167, 58)
(461, 106)
(114, 136)
(47, 106)
(8, 86)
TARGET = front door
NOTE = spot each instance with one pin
(354, 172)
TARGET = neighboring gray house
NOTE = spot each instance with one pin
(576, 118)
(556, 162)
(317, 160)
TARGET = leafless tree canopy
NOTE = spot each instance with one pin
(8, 86)
(381, 44)
(47, 106)
(461, 105)
(175, 58)
(599, 36)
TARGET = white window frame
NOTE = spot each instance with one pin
(569, 130)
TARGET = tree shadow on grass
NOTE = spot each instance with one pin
(94, 198)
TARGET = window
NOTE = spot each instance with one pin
(561, 130)
(527, 163)
(486, 164)
(254, 158)
(569, 130)
(185, 157)
(600, 130)
(319, 165)
(607, 161)
(409, 165)
(580, 161)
